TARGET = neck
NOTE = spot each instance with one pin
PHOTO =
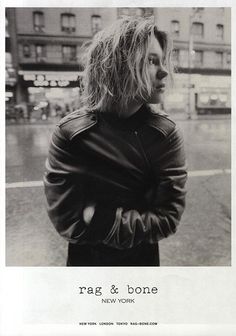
(132, 107)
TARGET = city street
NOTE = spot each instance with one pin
(203, 237)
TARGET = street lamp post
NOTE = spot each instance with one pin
(195, 11)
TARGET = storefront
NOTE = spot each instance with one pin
(10, 77)
(200, 93)
(51, 93)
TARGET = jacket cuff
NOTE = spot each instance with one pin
(101, 223)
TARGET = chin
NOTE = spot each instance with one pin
(155, 99)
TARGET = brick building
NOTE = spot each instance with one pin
(47, 48)
(48, 44)
(202, 43)
(10, 71)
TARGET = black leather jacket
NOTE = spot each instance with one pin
(132, 169)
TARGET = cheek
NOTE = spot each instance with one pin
(152, 74)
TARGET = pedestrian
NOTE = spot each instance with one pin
(115, 175)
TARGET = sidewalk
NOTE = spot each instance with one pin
(183, 116)
(178, 116)
(32, 121)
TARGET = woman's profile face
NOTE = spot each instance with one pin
(157, 71)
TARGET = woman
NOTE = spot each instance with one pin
(115, 173)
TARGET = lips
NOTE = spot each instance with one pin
(160, 87)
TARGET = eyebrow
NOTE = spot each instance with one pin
(161, 57)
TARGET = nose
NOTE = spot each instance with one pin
(161, 74)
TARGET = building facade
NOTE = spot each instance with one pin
(10, 69)
(47, 53)
(202, 44)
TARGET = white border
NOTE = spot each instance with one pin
(215, 290)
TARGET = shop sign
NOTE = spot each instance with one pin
(10, 76)
(51, 79)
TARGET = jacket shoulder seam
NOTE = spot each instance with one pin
(76, 123)
(162, 123)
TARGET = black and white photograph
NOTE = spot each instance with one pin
(118, 193)
(135, 136)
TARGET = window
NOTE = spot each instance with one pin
(198, 10)
(198, 29)
(38, 19)
(228, 58)
(175, 27)
(148, 11)
(219, 59)
(69, 53)
(7, 44)
(96, 22)
(125, 11)
(40, 51)
(135, 11)
(26, 50)
(138, 11)
(221, 10)
(198, 58)
(184, 58)
(220, 31)
(8, 58)
(68, 23)
(6, 28)
(175, 58)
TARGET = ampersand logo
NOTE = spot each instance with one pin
(114, 289)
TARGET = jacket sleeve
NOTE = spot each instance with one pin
(65, 189)
(64, 199)
(166, 205)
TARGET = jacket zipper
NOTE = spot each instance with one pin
(142, 150)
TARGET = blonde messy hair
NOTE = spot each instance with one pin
(116, 63)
